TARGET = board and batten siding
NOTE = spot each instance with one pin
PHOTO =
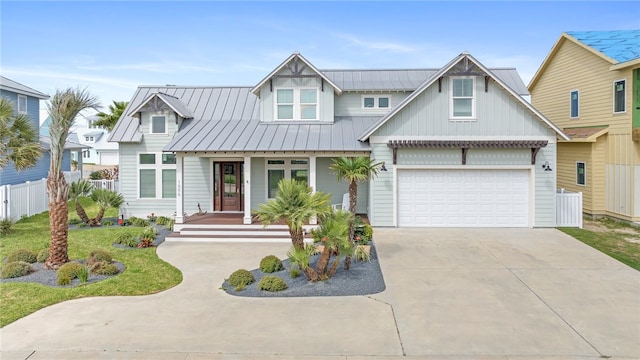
(350, 104)
(381, 194)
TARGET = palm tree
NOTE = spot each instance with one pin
(18, 138)
(109, 120)
(78, 189)
(354, 170)
(63, 108)
(296, 203)
(105, 199)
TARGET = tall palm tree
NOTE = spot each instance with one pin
(18, 138)
(63, 108)
(109, 120)
(296, 204)
(354, 170)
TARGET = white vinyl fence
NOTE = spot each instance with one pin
(29, 198)
(568, 209)
(112, 185)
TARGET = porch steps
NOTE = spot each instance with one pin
(231, 233)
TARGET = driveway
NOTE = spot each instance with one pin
(451, 293)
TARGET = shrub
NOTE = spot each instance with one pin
(169, 224)
(149, 233)
(83, 274)
(145, 243)
(272, 283)
(69, 270)
(97, 256)
(162, 220)
(270, 263)
(104, 268)
(294, 272)
(136, 221)
(16, 269)
(43, 255)
(25, 255)
(127, 239)
(95, 175)
(81, 225)
(361, 253)
(363, 232)
(74, 221)
(5, 226)
(241, 278)
(107, 223)
(64, 280)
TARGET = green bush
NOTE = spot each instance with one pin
(104, 268)
(241, 277)
(74, 221)
(16, 269)
(294, 272)
(25, 255)
(136, 221)
(95, 175)
(363, 232)
(81, 225)
(161, 220)
(169, 224)
(43, 255)
(69, 270)
(5, 226)
(97, 256)
(64, 280)
(272, 283)
(127, 239)
(107, 223)
(270, 264)
(83, 274)
(149, 232)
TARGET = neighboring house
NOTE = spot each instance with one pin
(98, 150)
(589, 85)
(27, 101)
(459, 144)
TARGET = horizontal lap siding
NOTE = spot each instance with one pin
(327, 183)
(568, 155)
(197, 186)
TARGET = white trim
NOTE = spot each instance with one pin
(166, 124)
(311, 178)
(386, 139)
(26, 104)
(395, 195)
(297, 103)
(247, 190)
(158, 166)
(473, 116)
(376, 102)
(584, 163)
(179, 219)
(287, 167)
(613, 107)
(571, 104)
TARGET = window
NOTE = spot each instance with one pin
(157, 175)
(296, 104)
(619, 92)
(88, 138)
(22, 104)
(278, 169)
(574, 104)
(462, 98)
(86, 154)
(581, 173)
(375, 101)
(158, 124)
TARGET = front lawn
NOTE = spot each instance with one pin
(145, 273)
(619, 240)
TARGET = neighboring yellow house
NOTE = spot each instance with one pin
(589, 85)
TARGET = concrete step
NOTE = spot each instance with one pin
(235, 232)
(178, 227)
(177, 237)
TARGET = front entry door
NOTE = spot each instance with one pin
(229, 188)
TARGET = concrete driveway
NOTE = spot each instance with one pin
(451, 293)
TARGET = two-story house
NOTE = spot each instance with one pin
(98, 150)
(459, 144)
(589, 85)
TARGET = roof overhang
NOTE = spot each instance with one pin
(585, 134)
(624, 65)
(173, 103)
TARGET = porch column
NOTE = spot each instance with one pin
(179, 186)
(312, 182)
(247, 191)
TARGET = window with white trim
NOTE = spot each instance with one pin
(296, 104)
(581, 173)
(156, 176)
(463, 102)
(278, 169)
(619, 96)
(22, 104)
(575, 104)
(158, 124)
(376, 101)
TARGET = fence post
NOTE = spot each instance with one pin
(7, 201)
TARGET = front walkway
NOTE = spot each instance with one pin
(451, 293)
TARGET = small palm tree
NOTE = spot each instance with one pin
(354, 170)
(78, 189)
(18, 138)
(105, 199)
(296, 203)
(63, 108)
(109, 120)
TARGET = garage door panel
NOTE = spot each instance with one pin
(457, 198)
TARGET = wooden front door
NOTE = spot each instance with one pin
(228, 187)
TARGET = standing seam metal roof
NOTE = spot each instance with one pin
(16, 87)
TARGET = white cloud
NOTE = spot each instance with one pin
(371, 45)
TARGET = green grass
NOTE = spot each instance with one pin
(610, 242)
(145, 273)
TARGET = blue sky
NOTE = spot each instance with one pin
(112, 47)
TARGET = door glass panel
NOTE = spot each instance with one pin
(274, 176)
(230, 178)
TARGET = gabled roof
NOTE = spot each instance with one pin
(16, 87)
(173, 102)
(619, 48)
(586, 134)
(293, 58)
(434, 77)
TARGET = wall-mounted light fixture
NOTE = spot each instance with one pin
(383, 168)
(546, 166)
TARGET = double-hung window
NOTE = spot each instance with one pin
(157, 175)
(296, 104)
(575, 104)
(22, 104)
(278, 169)
(158, 124)
(463, 102)
(619, 92)
(376, 101)
(581, 173)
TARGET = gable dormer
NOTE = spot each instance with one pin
(296, 91)
(160, 114)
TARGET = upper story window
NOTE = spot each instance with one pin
(22, 104)
(619, 92)
(575, 102)
(376, 101)
(463, 102)
(296, 104)
(88, 138)
(158, 124)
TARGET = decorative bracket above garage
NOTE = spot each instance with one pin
(295, 67)
(465, 145)
(161, 102)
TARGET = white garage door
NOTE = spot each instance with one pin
(463, 198)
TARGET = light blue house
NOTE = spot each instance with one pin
(459, 144)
